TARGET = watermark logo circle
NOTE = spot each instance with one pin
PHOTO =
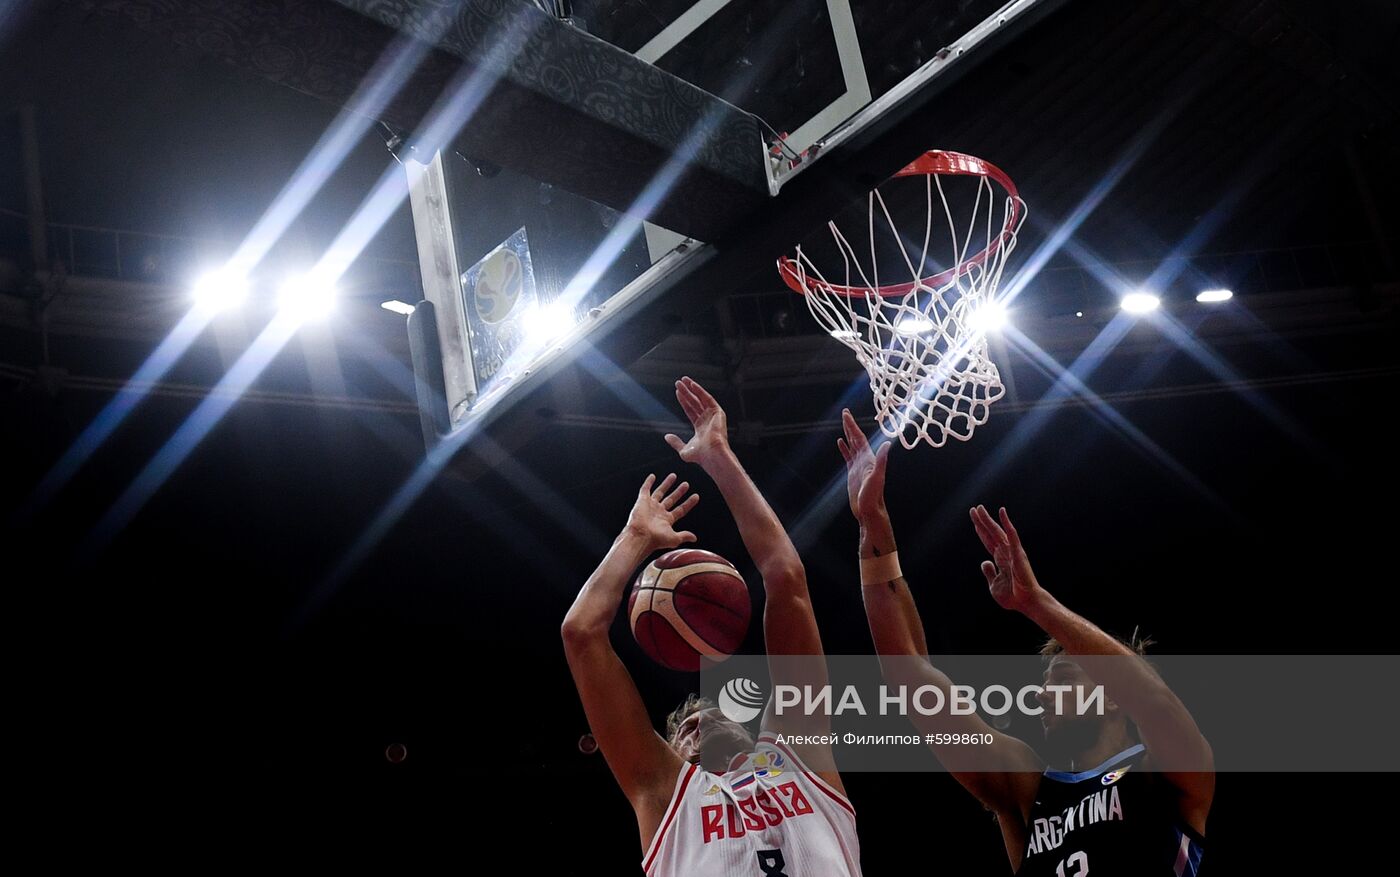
(741, 700)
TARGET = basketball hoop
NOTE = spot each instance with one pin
(922, 341)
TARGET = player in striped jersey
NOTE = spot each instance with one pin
(1138, 780)
(709, 799)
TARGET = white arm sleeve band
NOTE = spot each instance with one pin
(878, 570)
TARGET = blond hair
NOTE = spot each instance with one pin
(692, 704)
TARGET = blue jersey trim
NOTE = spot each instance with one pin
(1189, 860)
(1067, 777)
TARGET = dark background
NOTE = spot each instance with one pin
(217, 685)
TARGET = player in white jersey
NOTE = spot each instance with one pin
(709, 799)
(766, 815)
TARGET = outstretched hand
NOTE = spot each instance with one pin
(865, 470)
(656, 511)
(711, 439)
(1010, 578)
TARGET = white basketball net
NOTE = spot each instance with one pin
(923, 341)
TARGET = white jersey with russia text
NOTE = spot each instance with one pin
(767, 816)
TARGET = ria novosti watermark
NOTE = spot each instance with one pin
(1265, 713)
(930, 700)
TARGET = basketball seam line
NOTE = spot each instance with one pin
(696, 598)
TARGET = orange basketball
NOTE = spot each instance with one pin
(686, 604)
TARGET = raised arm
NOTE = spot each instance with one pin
(789, 626)
(1174, 742)
(644, 765)
(784, 579)
(1003, 775)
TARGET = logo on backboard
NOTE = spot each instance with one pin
(498, 285)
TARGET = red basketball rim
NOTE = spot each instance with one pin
(935, 161)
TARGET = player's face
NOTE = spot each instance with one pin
(707, 738)
(1065, 728)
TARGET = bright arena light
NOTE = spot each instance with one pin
(1212, 296)
(990, 317)
(220, 290)
(1140, 302)
(397, 307)
(912, 325)
(543, 323)
(307, 297)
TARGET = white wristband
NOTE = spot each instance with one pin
(878, 570)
